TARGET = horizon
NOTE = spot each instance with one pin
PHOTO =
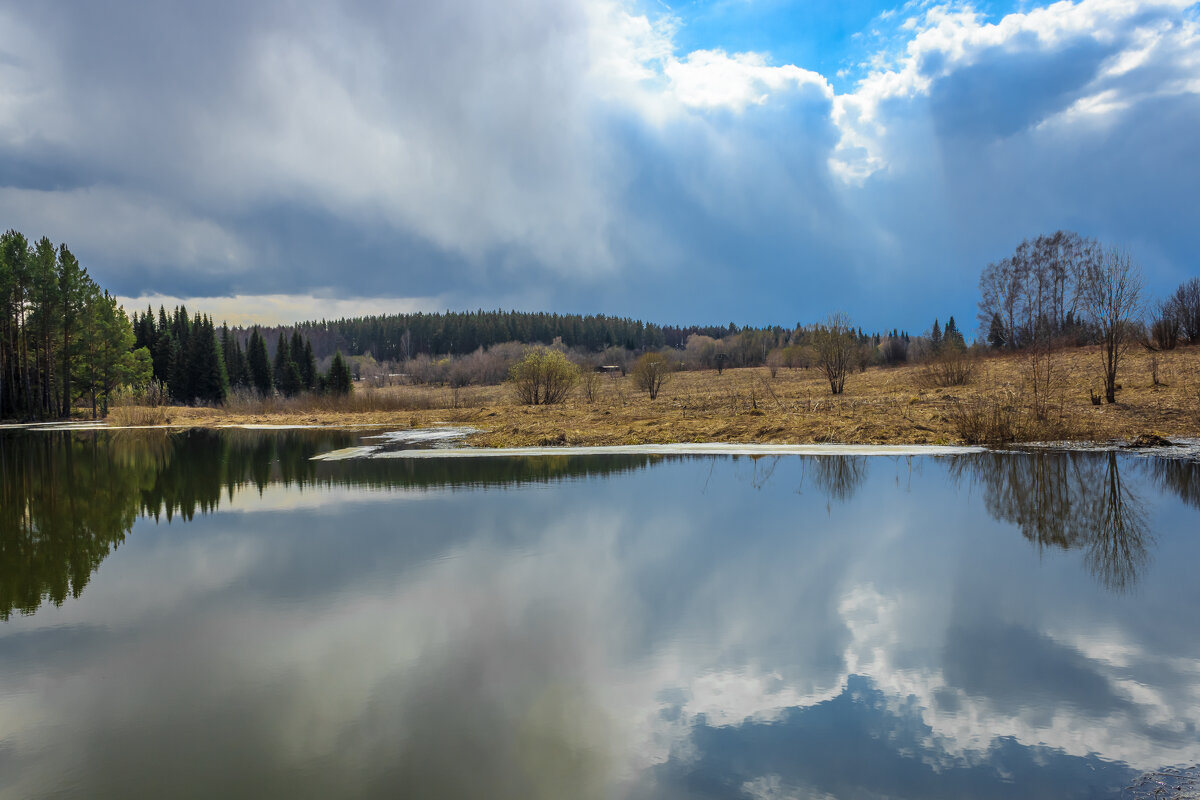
(764, 162)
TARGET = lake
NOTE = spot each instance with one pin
(215, 614)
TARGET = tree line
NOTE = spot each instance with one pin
(64, 341)
(196, 364)
(62, 338)
(1063, 288)
(403, 337)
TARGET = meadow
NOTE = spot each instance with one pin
(1159, 395)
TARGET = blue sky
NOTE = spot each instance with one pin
(758, 161)
(833, 38)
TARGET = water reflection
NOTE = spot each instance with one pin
(839, 477)
(1181, 476)
(1074, 500)
(637, 629)
(67, 499)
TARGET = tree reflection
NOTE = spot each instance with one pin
(839, 477)
(67, 499)
(1068, 501)
(1182, 477)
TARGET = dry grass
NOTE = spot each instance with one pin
(880, 406)
(949, 369)
(134, 416)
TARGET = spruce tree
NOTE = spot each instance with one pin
(952, 337)
(259, 364)
(287, 374)
(161, 355)
(935, 337)
(996, 335)
(308, 367)
(206, 364)
(340, 380)
(236, 368)
(179, 381)
(282, 357)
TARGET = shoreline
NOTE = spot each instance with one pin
(891, 406)
(445, 440)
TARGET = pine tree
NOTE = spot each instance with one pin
(107, 359)
(935, 337)
(73, 283)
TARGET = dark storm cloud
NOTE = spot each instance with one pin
(535, 153)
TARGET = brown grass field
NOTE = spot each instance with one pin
(880, 406)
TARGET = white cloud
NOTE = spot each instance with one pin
(948, 39)
(283, 309)
(568, 155)
(713, 79)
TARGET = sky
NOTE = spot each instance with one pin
(754, 161)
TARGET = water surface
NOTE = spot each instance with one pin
(216, 614)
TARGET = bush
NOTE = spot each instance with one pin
(951, 368)
(994, 419)
(836, 349)
(543, 376)
(651, 372)
(775, 360)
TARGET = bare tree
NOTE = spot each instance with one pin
(1186, 301)
(1001, 287)
(1035, 291)
(835, 349)
(651, 372)
(1110, 295)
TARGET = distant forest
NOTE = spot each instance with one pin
(65, 341)
(402, 337)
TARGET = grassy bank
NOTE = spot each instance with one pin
(899, 405)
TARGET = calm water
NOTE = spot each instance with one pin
(215, 615)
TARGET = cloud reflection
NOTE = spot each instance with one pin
(663, 633)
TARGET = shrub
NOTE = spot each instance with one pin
(543, 376)
(799, 355)
(993, 419)
(651, 372)
(951, 368)
(590, 382)
(775, 360)
(836, 349)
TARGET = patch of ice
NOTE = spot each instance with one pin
(690, 449)
(345, 453)
(423, 435)
(1180, 448)
(263, 426)
(424, 438)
